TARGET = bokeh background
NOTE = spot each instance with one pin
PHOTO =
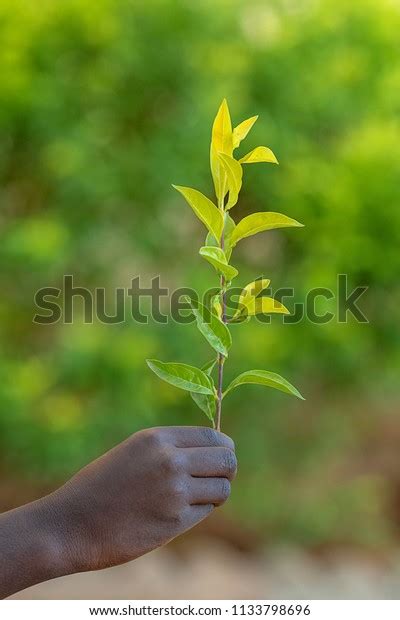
(104, 104)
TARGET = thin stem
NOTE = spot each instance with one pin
(221, 358)
(219, 390)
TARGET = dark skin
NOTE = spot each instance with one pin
(154, 486)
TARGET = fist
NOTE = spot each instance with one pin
(152, 487)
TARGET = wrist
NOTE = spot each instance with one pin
(52, 536)
(32, 547)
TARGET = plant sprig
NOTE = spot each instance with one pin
(223, 235)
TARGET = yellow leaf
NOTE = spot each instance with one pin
(221, 142)
(222, 130)
(254, 288)
(205, 210)
(258, 155)
(251, 306)
(241, 131)
(257, 222)
(234, 174)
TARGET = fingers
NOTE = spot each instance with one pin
(198, 436)
(218, 462)
(209, 491)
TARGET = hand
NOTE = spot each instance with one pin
(155, 485)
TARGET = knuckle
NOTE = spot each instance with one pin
(172, 462)
(153, 439)
(228, 441)
(178, 491)
(210, 436)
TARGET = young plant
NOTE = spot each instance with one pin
(223, 235)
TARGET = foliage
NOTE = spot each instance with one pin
(227, 175)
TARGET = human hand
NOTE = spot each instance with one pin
(152, 487)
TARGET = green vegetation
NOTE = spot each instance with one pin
(101, 103)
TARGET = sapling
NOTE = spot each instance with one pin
(223, 235)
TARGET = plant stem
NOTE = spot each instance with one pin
(219, 390)
(221, 358)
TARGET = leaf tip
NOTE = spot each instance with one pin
(274, 159)
(280, 308)
(295, 392)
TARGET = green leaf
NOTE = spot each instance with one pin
(241, 131)
(263, 377)
(182, 376)
(251, 306)
(221, 142)
(234, 174)
(211, 241)
(216, 306)
(213, 329)
(205, 210)
(228, 230)
(258, 222)
(206, 402)
(216, 257)
(209, 366)
(261, 154)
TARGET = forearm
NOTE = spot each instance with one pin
(31, 548)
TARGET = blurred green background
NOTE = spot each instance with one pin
(104, 104)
